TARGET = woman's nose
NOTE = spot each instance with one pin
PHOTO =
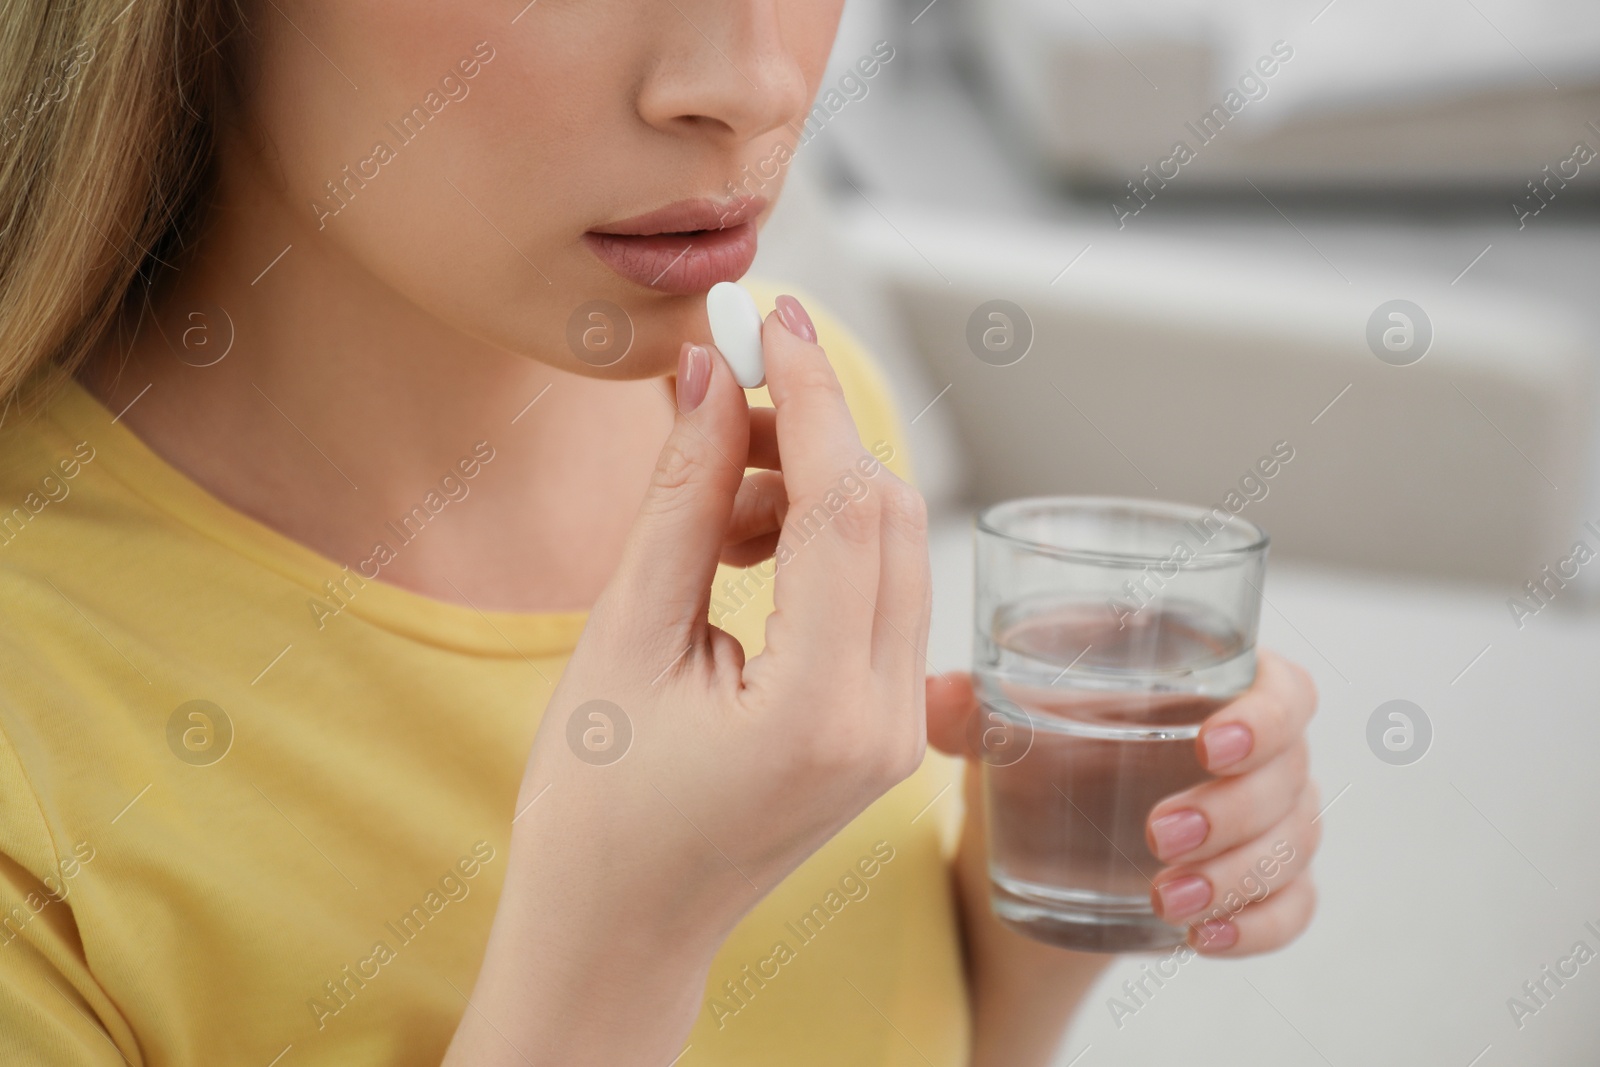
(722, 69)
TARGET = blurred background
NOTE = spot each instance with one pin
(1370, 233)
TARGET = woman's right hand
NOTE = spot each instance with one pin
(626, 876)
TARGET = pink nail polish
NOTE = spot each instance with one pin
(1178, 832)
(1214, 935)
(694, 376)
(794, 318)
(1182, 897)
(1227, 745)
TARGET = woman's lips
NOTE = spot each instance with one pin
(683, 248)
(678, 263)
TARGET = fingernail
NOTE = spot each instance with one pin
(694, 376)
(1214, 935)
(1227, 745)
(795, 319)
(1182, 897)
(1177, 833)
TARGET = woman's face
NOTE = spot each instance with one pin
(551, 177)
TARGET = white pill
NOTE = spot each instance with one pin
(736, 329)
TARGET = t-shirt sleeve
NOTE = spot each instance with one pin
(52, 1011)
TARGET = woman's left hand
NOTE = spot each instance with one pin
(1237, 846)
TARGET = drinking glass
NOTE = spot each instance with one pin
(1106, 630)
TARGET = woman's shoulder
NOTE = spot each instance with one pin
(40, 470)
(59, 558)
(43, 466)
(40, 467)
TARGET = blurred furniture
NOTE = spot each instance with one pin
(1170, 370)
(1364, 94)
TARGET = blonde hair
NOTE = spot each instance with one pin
(108, 111)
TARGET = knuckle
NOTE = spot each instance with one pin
(1312, 841)
(1276, 711)
(919, 752)
(907, 756)
(887, 764)
(757, 505)
(879, 750)
(1308, 685)
(677, 467)
(1300, 761)
(840, 749)
(1313, 789)
(857, 521)
(1284, 923)
(862, 749)
(1309, 888)
(905, 509)
(1273, 928)
(1310, 826)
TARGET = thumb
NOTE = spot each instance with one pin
(952, 705)
(663, 581)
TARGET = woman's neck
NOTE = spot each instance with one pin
(341, 405)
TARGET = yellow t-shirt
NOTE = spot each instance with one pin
(255, 811)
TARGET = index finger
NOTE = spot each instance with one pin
(1262, 722)
(828, 550)
(816, 434)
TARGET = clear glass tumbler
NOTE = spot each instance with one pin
(1107, 630)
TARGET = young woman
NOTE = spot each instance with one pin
(368, 493)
